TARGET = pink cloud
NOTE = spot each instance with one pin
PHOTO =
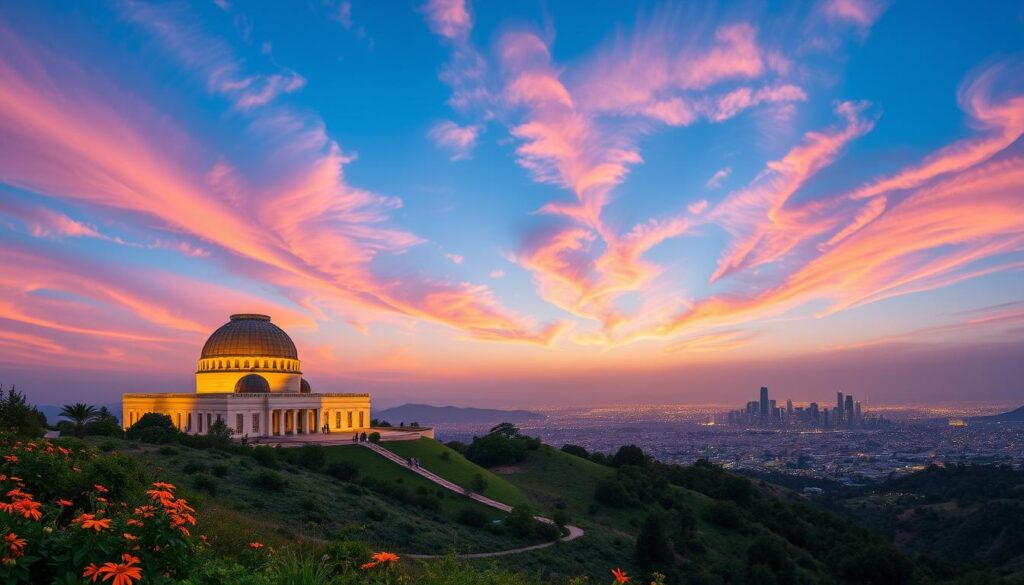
(448, 18)
(300, 226)
(861, 13)
(459, 140)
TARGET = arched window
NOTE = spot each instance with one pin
(275, 364)
(236, 364)
(246, 363)
(265, 362)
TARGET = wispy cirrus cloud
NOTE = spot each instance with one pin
(459, 141)
(303, 228)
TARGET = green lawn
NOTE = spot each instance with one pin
(451, 465)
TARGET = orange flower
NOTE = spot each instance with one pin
(11, 458)
(255, 545)
(384, 557)
(366, 566)
(88, 521)
(76, 469)
(65, 503)
(161, 495)
(28, 509)
(100, 488)
(16, 544)
(91, 570)
(122, 573)
(620, 576)
(163, 485)
(130, 537)
(63, 450)
(133, 522)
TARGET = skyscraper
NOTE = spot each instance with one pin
(848, 415)
(858, 416)
(764, 402)
(839, 404)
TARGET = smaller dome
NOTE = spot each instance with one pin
(304, 387)
(252, 384)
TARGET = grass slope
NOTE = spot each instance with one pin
(558, 480)
(237, 509)
(454, 467)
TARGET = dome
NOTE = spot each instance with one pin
(249, 335)
(252, 384)
(304, 387)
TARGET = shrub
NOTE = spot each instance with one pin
(68, 521)
(167, 450)
(560, 518)
(376, 514)
(374, 437)
(343, 470)
(653, 549)
(194, 467)
(219, 470)
(311, 456)
(265, 456)
(726, 515)
(520, 521)
(471, 517)
(205, 482)
(270, 480)
(153, 428)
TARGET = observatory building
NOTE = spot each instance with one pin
(249, 376)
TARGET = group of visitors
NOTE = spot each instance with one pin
(414, 462)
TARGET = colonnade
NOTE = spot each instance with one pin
(295, 421)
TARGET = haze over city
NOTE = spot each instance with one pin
(517, 204)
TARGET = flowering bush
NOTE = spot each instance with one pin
(69, 515)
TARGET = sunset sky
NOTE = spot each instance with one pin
(518, 203)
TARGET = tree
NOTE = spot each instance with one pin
(505, 429)
(153, 427)
(629, 455)
(80, 414)
(576, 450)
(653, 549)
(16, 414)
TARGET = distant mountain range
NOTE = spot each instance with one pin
(427, 414)
(1012, 416)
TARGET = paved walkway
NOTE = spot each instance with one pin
(574, 531)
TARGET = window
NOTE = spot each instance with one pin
(188, 422)
(256, 423)
(239, 423)
(209, 421)
(200, 417)
(265, 362)
(246, 363)
(361, 421)
(275, 364)
(337, 419)
(179, 421)
(236, 364)
(350, 418)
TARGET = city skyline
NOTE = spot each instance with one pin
(533, 204)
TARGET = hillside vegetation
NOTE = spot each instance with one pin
(957, 519)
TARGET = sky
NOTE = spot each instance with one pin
(518, 203)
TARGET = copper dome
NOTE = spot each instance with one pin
(249, 335)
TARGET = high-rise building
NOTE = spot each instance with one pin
(789, 408)
(848, 415)
(764, 402)
(839, 405)
(857, 414)
(826, 422)
(814, 412)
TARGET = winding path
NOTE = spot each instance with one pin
(574, 531)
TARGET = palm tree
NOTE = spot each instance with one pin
(80, 414)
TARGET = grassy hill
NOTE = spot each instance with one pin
(454, 467)
(385, 506)
(717, 534)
